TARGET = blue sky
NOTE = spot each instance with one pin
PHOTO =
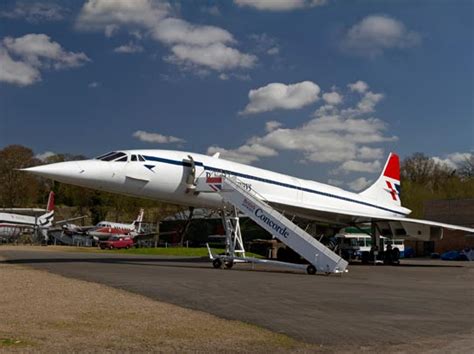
(317, 89)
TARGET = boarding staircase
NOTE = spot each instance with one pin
(60, 237)
(250, 203)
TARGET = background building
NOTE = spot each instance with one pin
(452, 211)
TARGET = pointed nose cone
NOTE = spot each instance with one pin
(62, 171)
(86, 173)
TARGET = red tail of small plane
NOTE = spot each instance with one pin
(50, 205)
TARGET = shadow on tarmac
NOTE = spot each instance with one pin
(190, 263)
(408, 265)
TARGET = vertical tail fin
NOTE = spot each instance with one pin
(386, 189)
(46, 220)
(50, 205)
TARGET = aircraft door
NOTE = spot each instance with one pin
(299, 193)
(136, 174)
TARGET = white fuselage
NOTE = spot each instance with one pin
(106, 229)
(163, 176)
(12, 225)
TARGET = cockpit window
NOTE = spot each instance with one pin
(122, 159)
(113, 156)
(134, 158)
(105, 155)
(140, 157)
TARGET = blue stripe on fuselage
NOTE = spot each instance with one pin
(264, 180)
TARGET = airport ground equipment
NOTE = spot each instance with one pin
(61, 237)
(250, 203)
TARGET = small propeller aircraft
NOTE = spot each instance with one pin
(105, 229)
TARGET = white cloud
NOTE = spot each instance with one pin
(94, 84)
(129, 48)
(216, 56)
(193, 47)
(376, 33)
(359, 184)
(279, 5)
(241, 77)
(335, 182)
(102, 14)
(246, 154)
(366, 105)
(368, 102)
(281, 96)
(368, 153)
(272, 125)
(332, 98)
(360, 166)
(358, 86)
(174, 30)
(265, 44)
(273, 51)
(345, 136)
(156, 138)
(23, 58)
(35, 12)
(454, 160)
(17, 72)
(39, 50)
(45, 155)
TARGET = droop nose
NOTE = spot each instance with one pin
(58, 171)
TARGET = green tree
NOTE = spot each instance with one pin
(17, 188)
(424, 179)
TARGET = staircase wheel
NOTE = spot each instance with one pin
(311, 269)
(217, 263)
(228, 264)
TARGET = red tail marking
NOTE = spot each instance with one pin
(392, 191)
(50, 206)
(393, 167)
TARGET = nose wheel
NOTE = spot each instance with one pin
(217, 263)
(311, 269)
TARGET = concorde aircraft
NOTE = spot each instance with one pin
(172, 176)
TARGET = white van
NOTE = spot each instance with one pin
(364, 242)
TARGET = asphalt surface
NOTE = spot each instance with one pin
(370, 304)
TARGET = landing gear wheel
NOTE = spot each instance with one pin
(217, 263)
(228, 264)
(311, 269)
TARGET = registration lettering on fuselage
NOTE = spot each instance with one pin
(212, 174)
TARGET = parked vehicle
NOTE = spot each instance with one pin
(464, 255)
(116, 242)
(363, 243)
